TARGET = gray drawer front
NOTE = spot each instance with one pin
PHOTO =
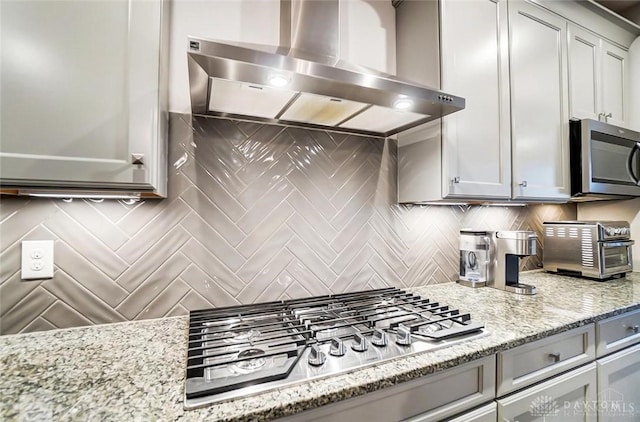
(486, 413)
(535, 361)
(431, 398)
(561, 399)
(617, 332)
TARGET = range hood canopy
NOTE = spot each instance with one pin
(303, 83)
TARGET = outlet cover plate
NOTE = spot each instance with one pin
(37, 259)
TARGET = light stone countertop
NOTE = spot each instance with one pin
(135, 370)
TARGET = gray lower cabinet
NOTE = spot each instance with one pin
(619, 386)
(432, 398)
(617, 332)
(541, 359)
(568, 397)
(486, 413)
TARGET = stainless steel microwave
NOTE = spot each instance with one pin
(605, 161)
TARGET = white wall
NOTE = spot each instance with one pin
(252, 21)
(367, 34)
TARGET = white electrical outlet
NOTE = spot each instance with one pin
(37, 259)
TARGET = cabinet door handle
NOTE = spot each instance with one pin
(456, 179)
(137, 158)
(630, 163)
(555, 357)
(523, 184)
(634, 329)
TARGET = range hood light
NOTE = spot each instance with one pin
(403, 104)
(278, 80)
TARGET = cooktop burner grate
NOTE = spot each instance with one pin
(248, 349)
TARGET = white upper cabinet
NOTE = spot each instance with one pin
(598, 78)
(615, 83)
(539, 104)
(82, 103)
(476, 142)
(584, 73)
(467, 155)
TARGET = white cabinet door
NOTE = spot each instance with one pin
(81, 94)
(584, 74)
(539, 103)
(476, 141)
(598, 78)
(615, 83)
(618, 386)
(565, 398)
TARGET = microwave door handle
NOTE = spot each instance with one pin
(614, 244)
(630, 166)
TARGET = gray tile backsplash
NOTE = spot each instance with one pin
(255, 212)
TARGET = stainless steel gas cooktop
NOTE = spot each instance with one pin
(244, 350)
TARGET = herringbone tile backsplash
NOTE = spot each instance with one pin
(255, 213)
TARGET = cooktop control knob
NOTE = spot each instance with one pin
(337, 347)
(403, 336)
(359, 343)
(380, 338)
(609, 231)
(317, 357)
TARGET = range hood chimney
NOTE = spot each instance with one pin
(303, 82)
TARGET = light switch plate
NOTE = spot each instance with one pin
(37, 259)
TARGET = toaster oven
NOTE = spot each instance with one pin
(592, 249)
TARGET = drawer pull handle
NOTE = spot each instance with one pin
(634, 329)
(555, 357)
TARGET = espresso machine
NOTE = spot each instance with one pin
(490, 258)
(510, 246)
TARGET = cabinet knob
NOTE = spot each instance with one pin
(137, 158)
(555, 357)
(523, 184)
(634, 329)
(456, 179)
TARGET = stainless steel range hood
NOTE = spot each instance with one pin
(302, 82)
